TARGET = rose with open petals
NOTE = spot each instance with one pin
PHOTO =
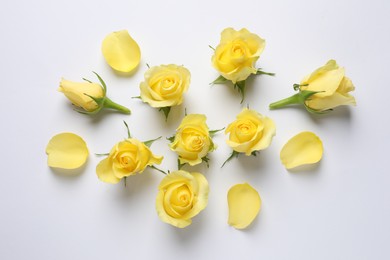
(126, 158)
(181, 196)
(250, 132)
(165, 85)
(192, 141)
(237, 53)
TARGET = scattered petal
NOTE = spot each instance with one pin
(121, 52)
(244, 204)
(304, 148)
(66, 151)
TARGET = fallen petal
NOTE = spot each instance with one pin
(121, 52)
(66, 151)
(244, 204)
(304, 148)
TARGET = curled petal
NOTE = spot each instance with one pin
(121, 52)
(66, 151)
(244, 204)
(304, 148)
(105, 172)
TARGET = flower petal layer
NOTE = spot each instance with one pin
(244, 204)
(66, 151)
(304, 148)
(121, 52)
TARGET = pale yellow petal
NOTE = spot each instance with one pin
(104, 171)
(325, 80)
(66, 151)
(330, 102)
(244, 204)
(121, 52)
(304, 148)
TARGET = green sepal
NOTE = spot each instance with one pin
(260, 72)
(255, 153)
(179, 164)
(213, 132)
(166, 111)
(317, 112)
(211, 47)
(150, 142)
(219, 80)
(157, 169)
(232, 155)
(137, 97)
(128, 129)
(103, 84)
(240, 86)
(102, 154)
(171, 139)
(206, 160)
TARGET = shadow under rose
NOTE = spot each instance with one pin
(190, 233)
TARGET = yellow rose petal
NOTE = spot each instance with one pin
(244, 204)
(304, 148)
(66, 151)
(121, 52)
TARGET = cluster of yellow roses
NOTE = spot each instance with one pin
(182, 195)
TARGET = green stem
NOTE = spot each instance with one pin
(294, 99)
(108, 103)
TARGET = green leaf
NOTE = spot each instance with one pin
(150, 142)
(232, 155)
(255, 153)
(138, 97)
(219, 80)
(166, 111)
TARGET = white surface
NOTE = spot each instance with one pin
(337, 210)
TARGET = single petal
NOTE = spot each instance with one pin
(330, 102)
(304, 148)
(104, 171)
(244, 204)
(121, 52)
(66, 151)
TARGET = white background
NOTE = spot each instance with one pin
(338, 209)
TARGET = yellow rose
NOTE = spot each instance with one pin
(126, 158)
(237, 53)
(250, 132)
(76, 93)
(89, 96)
(324, 89)
(192, 141)
(165, 85)
(332, 86)
(181, 196)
